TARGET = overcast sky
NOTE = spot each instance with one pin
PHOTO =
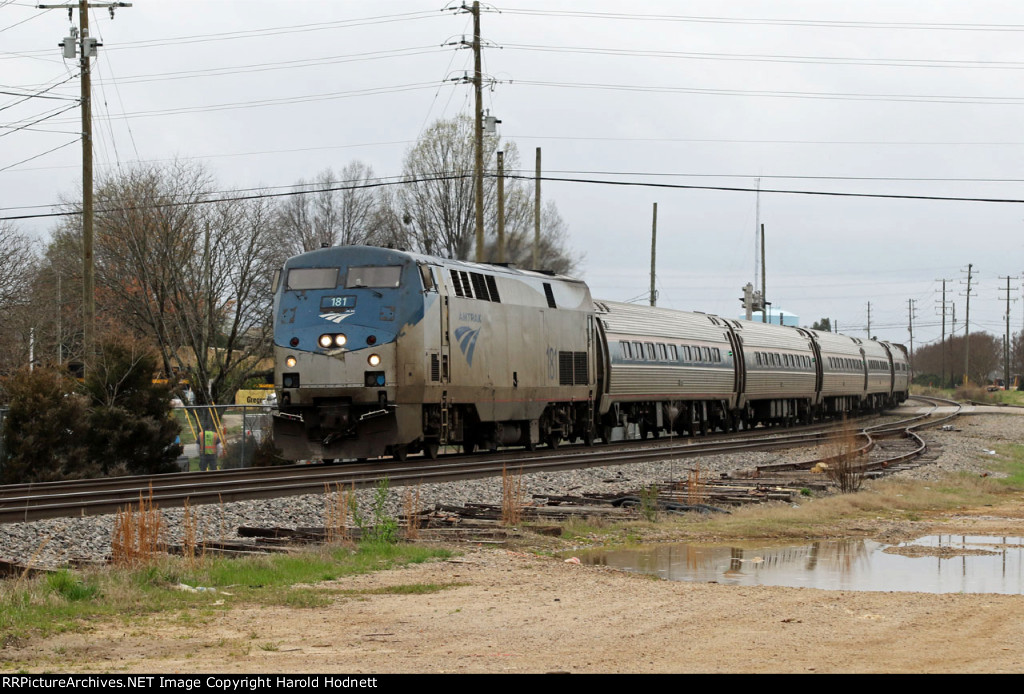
(878, 96)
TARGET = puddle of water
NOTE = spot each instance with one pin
(933, 564)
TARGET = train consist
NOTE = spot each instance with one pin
(383, 352)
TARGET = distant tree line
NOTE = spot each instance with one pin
(942, 365)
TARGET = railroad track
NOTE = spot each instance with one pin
(19, 503)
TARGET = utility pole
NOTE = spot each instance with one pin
(944, 330)
(654, 246)
(869, 320)
(86, 49)
(1006, 340)
(536, 216)
(501, 207)
(478, 132)
(967, 325)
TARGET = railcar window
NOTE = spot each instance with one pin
(638, 350)
(627, 353)
(312, 278)
(673, 352)
(717, 353)
(662, 352)
(373, 276)
(650, 351)
(687, 355)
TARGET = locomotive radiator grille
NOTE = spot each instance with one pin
(572, 369)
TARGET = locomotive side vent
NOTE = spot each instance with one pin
(492, 287)
(572, 369)
(435, 368)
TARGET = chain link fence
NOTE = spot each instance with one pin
(242, 435)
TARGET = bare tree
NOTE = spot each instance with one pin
(190, 278)
(19, 263)
(435, 206)
(333, 210)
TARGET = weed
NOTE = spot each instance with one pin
(841, 464)
(410, 506)
(381, 527)
(338, 507)
(649, 503)
(512, 497)
(272, 647)
(70, 587)
(696, 491)
(138, 535)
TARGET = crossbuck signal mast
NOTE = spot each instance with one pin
(79, 43)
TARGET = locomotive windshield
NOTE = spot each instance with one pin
(373, 276)
(313, 278)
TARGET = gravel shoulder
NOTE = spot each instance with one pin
(515, 611)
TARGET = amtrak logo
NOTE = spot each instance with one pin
(467, 341)
(335, 317)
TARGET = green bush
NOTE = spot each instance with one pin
(117, 422)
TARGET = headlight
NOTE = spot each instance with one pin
(374, 360)
(290, 361)
(325, 341)
(340, 340)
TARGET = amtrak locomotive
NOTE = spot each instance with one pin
(383, 352)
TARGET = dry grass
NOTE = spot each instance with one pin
(512, 498)
(338, 511)
(696, 490)
(138, 537)
(879, 501)
(842, 461)
(411, 507)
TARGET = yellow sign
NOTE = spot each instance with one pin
(250, 397)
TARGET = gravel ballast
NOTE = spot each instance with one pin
(55, 542)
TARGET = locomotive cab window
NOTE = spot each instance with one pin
(312, 278)
(427, 275)
(388, 276)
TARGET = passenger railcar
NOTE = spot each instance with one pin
(383, 352)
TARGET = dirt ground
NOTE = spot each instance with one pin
(516, 612)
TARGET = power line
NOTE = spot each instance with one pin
(833, 24)
(371, 91)
(638, 184)
(256, 33)
(757, 57)
(828, 96)
(767, 190)
(77, 139)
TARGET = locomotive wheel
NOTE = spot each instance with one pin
(400, 452)
(588, 437)
(553, 440)
(430, 449)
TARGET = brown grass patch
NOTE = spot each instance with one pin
(138, 533)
